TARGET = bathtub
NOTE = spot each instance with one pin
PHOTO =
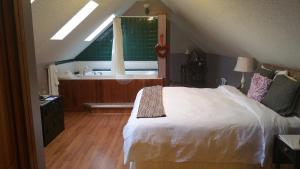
(102, 87)
(149, 74)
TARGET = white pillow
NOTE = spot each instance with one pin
(285, 73)
(290, 77)
(281, 72)
(263, 67)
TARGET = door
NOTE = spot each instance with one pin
(8, 151)
(17, 135)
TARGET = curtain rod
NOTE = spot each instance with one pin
(137, 16)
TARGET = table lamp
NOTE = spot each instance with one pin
(244, 65)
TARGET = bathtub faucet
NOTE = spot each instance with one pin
(86, 69)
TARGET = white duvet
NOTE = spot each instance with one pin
(203, 125)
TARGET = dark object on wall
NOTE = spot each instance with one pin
(194, 71)
(147, 10)
(52, 114)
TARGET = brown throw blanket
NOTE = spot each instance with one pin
(151, 104)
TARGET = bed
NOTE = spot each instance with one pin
(208, 128)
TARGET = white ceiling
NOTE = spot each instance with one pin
(268, 30)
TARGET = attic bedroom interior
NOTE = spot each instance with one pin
(150, 84)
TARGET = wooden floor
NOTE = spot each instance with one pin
(89, 141)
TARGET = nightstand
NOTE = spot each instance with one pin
(52, 114)
(287, 150)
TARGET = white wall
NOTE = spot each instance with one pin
(179, 43)
(66, 67)
(179, 39)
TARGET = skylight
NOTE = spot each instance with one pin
(75, 20)
(101, 28)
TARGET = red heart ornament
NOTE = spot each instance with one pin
(162, 51)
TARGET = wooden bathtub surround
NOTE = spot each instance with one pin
(90, 140)
(76, 93)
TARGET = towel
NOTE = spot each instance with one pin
(53, 80)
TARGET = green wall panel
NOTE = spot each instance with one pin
(139, 40)
(100, 49)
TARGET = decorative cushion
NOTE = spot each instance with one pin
(297, 107)
(265, 72)
(259, 87)
(282, 95)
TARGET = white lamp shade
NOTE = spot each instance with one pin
(244, 64)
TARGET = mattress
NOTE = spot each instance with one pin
(212, 126)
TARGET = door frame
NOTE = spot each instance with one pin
(20, 74)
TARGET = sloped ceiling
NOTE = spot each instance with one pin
(267, 30)
(50, 15)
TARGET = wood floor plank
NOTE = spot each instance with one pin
(89, 141)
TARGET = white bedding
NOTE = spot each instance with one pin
(204, 125)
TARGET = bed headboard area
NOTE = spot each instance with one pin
(295, 73)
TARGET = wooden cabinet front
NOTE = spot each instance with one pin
(78, 92)
(52, 114)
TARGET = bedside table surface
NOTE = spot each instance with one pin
(293, 141)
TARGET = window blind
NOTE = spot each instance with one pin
(139, 40)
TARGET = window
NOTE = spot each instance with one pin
(100, 49)
(100, 28)
(75, 21)
(139, 40)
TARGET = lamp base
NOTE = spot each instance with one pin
(243, 80)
